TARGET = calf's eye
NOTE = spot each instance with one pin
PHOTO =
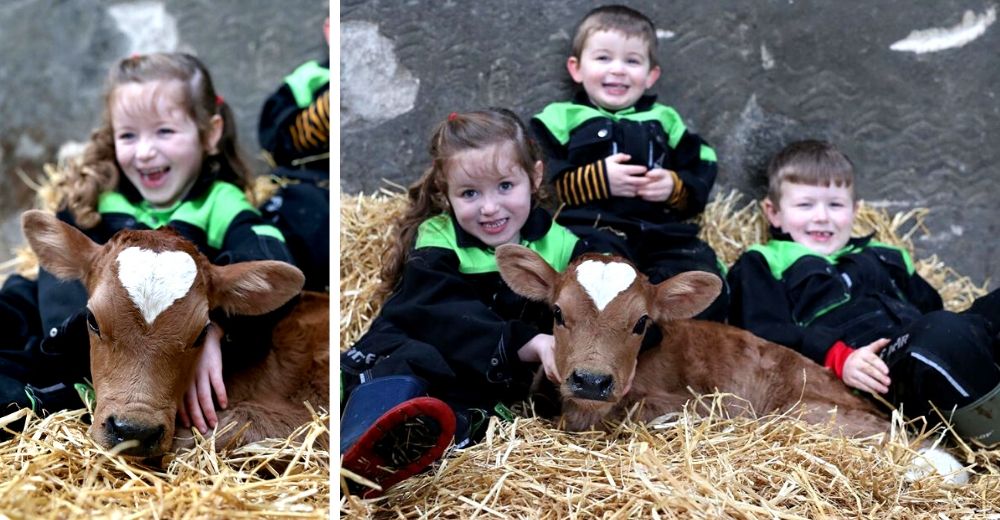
(92, 323)
(557, 314)
(640, 326)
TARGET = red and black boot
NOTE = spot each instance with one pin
(390, 430)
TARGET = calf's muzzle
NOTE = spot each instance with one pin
(592, 386)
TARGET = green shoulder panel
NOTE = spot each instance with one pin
(562, 118)
(114, 202)
(216, 210)
(781, 254)
(212, 213)
(556, 247)
(306, 80)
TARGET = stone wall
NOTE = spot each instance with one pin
(56, 55)
(907, 89)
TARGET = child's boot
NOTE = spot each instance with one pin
(390, 430)
(980, 421)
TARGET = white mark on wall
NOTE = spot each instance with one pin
(374, 86)
(602, 281)
(663, 34)
(938, 39)
(147, 25)
(28, 148)
(155, 280)
(766, 59)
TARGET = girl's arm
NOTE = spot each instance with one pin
(438, 305)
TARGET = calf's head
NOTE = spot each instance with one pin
(149, 295)
(602, 308)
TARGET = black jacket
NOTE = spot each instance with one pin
(452, 298)
(577, 137)
(294, 124)
(783, 292)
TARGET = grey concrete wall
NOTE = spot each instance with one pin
(55, 55)
(907, 89)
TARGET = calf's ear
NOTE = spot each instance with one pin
(685, 295)
(527, 273)
(62, 249)
(252, 288)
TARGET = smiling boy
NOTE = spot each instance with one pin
(625, 167)
(857, 306)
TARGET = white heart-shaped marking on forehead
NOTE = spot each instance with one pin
(155, 280)
(604, 281)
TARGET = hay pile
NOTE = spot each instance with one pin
(53, 470)
(695, 464)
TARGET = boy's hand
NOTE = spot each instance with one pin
(659, 185)
(197, 408)
(624, 179)
(541, 349)
(865, 370)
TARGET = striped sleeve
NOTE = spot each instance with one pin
(311, 128)
(584, 184)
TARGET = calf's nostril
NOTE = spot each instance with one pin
(588, 385)
(120, 430)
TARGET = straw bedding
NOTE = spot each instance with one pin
(695, 464)
(49, 468)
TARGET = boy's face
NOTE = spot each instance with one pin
(614, 70)
(818, 217)
(489, 194)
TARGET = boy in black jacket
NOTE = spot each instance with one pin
(857, 306)
(625, 167)
(294, 130)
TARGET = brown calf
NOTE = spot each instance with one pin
(150, 293)
(602, 308)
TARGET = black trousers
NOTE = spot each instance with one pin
(945, 358)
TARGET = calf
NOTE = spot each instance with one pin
(150, 293)
(603, 308)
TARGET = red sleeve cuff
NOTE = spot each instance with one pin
(836, 357)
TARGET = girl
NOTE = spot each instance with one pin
(451, 327)
(165, 154)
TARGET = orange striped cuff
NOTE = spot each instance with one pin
(585, 184)
(311, 127)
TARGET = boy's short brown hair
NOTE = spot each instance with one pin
(810, 162)
(626, 20)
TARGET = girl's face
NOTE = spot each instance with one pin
(490, 194)
(818, 217)
(157, 144)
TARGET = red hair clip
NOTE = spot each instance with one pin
(219, 101)
(452, 116)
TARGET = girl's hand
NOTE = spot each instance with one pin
(197, 408)
(865, 370)
(541, 349)
(624, 180)
(659, 186)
